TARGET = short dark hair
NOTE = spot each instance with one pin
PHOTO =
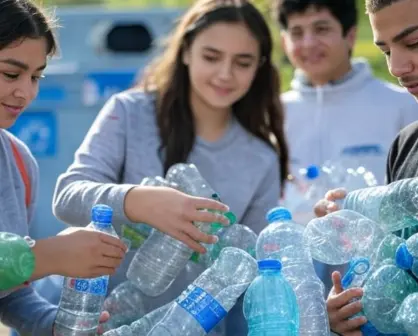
(345, 11)
(21, 19)
(373, 6)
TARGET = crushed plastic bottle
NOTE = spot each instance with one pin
(408, 314)
(384, 293)
(393, 206)
(207, 301)
(236, 235)
(341, 236)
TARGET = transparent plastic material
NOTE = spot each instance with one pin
(207, 301)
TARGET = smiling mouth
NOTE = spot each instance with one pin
(13, 109)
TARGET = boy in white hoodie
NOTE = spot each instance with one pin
(336, 107)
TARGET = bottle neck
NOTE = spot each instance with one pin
(270, 272)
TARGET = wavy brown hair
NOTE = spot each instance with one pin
(260, 111)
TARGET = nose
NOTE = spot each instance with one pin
(400, 65)
(26, 89)
(225, 72)
(309, 40)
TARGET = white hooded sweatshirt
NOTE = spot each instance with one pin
(358, 116)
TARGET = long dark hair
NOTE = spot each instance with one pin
(259, 111)
(21, 19)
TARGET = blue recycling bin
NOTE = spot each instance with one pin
(101, 53)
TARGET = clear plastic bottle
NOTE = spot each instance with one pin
(393, 206)
(125, 305)
(161, 258)
(384, 293)
(207, 301)
(236, 235)
(408, 314)
(82, 299)
(141, 326)
(341, 236)
(316, 188)
(283, 240)
(270, 305)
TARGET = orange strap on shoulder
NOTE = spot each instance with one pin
(23, 173)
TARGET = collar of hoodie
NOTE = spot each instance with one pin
(353, 80)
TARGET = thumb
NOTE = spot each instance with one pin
(336, 281)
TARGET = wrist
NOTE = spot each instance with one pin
(137, 202)
(47, 256)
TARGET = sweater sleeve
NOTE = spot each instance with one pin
(95, 173)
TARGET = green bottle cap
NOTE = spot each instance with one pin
(231, 216)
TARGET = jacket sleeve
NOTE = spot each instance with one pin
(28, 313)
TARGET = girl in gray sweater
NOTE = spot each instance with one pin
(211, 99)
(26, 43)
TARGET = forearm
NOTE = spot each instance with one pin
(74, 199)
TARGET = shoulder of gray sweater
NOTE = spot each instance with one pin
(29, 159)
(135, 100)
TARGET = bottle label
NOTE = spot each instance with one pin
(96, 286)
(202, 306)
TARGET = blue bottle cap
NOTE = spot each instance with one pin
(312, 172)
(269, 264)
(403, 258)
(102, 214)
(278, 214)
(357, 266)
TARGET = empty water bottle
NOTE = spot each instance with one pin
(341, 236)
(161, 258)
(283, 240)
(125, 305)
(270, 305)
(303, 212)
(407, 255)
(408, 314)
(384, 293)
(207, 301)
(348, 174)
(298, 184)
(82, 299)
(393, 206)
(141, 326)
(236, 235)
(191, 182)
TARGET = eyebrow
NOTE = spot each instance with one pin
(244, 55)
(20, 64)
(400, 36)
(315, 23)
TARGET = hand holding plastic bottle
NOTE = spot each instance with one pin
(80, 252)
(173, 212)
(343, 304)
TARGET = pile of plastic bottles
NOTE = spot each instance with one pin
(274, 270)
(364, 230)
